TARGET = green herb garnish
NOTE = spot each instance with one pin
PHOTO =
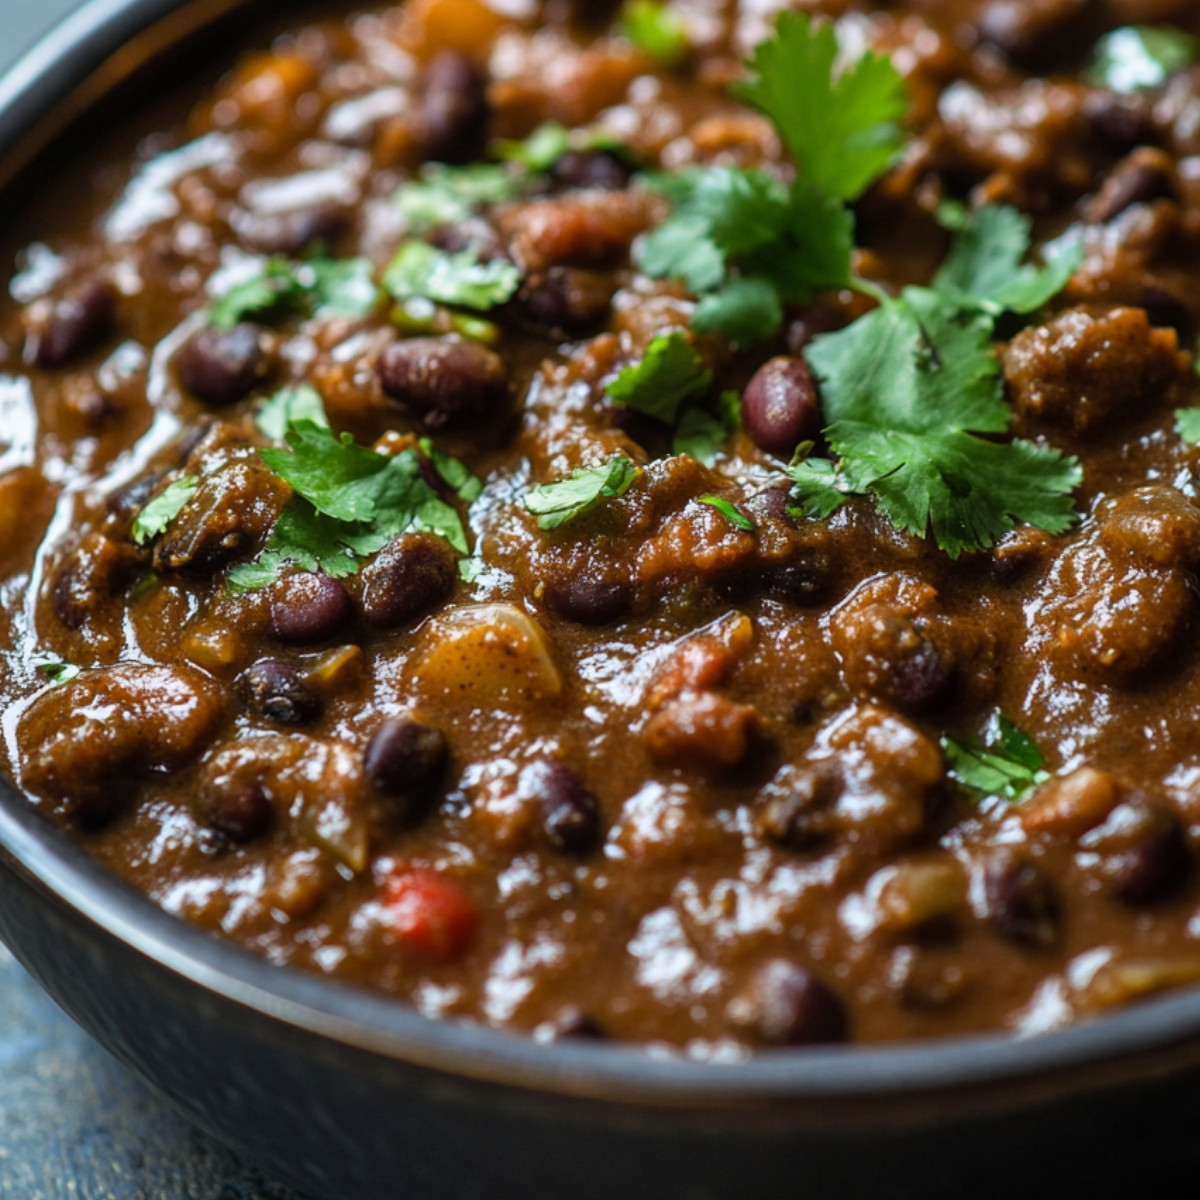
(156, 516)
(58, 673)
(349, 503)
(701, 435)
(286, 407)
(669, 373)
(447, 195)
(323, 287)
(1187, 424)
(908, 389)
(656, 31)
(1140, 56)
(556, 503)
(1005, 763)
(421, 270)
(729, 511)
(741, 240)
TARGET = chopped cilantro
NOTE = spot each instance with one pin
(287, 406)
(539, 151)
(701, 435)
(58, 673)
(446, 195)
(349, 503)
(421, 270)
(320, 287)
(843, 128)
(744, 242)
(1005, 763)
(461, 480)
(1140, 56)
(670, 373)
(908, 389)
(1187, 424)
(656, 31)
(556, 503)
(163, 509)
(729, 511)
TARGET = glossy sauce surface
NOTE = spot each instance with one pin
(651, 775)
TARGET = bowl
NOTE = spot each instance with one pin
(345, 1094)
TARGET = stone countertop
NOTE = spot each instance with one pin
(74, 1125)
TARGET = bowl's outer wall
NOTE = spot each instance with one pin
(344, 1125)
(341, 1122)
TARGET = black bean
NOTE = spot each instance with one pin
(592, 169)
(1167, 310)
(1143, 851)
(804, 579)
(1141, 177)
(222, 366)
(97, 571)
(1121, 118)
(565, 301)
(131, 499)
(410, 575)
(307, 607)
(797, 808)
(444, 383)
(919, 681)
(277, 691)
(1020, 900)
(570, 814)
(77, 322)
(571, 1021)
(406, 760)
(291, 233)
(780, 406)
(785, 1005)
(453, 108)
(241, 812)
(588, 600)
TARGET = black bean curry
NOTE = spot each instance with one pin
(665, 522)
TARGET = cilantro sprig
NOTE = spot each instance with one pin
(322, 287)
(563, 500)
(656, 31)
(349, 503)
(1006, 762)
(156, 516)
(914, 399)
(419, 270)
(744, 242)
(668, 375)
(1136, 57)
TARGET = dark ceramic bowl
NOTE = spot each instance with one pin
(345, 1094)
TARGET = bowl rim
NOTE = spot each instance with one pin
(39, 98)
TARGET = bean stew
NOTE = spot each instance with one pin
(675, 522)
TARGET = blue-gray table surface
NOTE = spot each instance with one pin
(73, 1123)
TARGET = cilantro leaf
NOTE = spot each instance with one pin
(419, 269)
(907, 389)
(986, 268)
(319, 287)
(701, 435)
(444, 195)
(554, 504)
(350, 502)
(156, 516)
(655, 30)
(1007, 763)
(842, 128)
(288, 406)
(729, 511)
(742, 241)
(817, 487)
(58, 673)
(539, 151)
(1136, 57)
(336, 475)
(744, 311)
(670, 373)
(1187, 424)
(465, 484)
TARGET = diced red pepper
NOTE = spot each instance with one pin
(430, 914)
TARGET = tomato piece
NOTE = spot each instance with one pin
(430, 914)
